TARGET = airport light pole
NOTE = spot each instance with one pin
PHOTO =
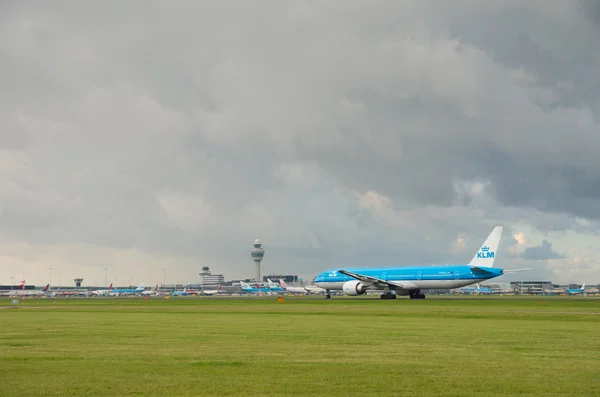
(12, 283)
(164, 277)
(50, 286)
(105, 278)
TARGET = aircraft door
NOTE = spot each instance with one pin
(419, 275)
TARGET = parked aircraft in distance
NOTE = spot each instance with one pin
(291, 289)
(576, 291)
(28, 292)
(102, 292)
(128, 291)
(476, 290)
(257, 289)
(211, 291)
(274, 287)
(151, 291)
(303, 289)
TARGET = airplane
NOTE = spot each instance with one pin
(304, 289)
(293, 290)
(476, 290)
(211, 291)
(314, 289)
(410, 280)
(274, 287)
(180, 293)
(102, 292)
(24, 292)
(257, 289)
(128, 291)
(151, 291)
(576, 291)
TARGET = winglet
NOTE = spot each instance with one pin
(487, 253)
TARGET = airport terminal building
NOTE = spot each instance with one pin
(530, 287)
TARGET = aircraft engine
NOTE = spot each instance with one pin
(354, 288)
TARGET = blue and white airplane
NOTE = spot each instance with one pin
(257, 289)
(476, 290)
(410, 280)
(127, 291)
(180, 293)
(576, 291)
(274, 287)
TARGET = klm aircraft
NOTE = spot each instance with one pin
(576, 291)
(254, 290)
(476, 290)
(409, 281)
(274, 287)
(128, 291)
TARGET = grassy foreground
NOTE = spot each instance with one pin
(302, 347)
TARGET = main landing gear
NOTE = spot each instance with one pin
(328, 295)
(388, 295)
(417, 295)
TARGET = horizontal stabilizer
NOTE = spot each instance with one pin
(476, 269)
(505, 271)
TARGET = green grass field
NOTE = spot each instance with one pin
(303, 347)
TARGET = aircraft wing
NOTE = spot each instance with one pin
(380, 283)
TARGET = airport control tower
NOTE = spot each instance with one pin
(257, 254)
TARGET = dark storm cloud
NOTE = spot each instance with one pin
(591, 9)
(541, 252)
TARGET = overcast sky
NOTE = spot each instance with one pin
(139, 136)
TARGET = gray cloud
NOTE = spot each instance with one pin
(541, 252)
(182, 133)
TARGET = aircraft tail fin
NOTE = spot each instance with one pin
(486, 255)
(283, 283)
(583, 287)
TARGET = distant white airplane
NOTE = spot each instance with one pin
(211, 291)
(102, 292)
(24, 292)
(305, 289)
(293, 290)
(149, 292)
